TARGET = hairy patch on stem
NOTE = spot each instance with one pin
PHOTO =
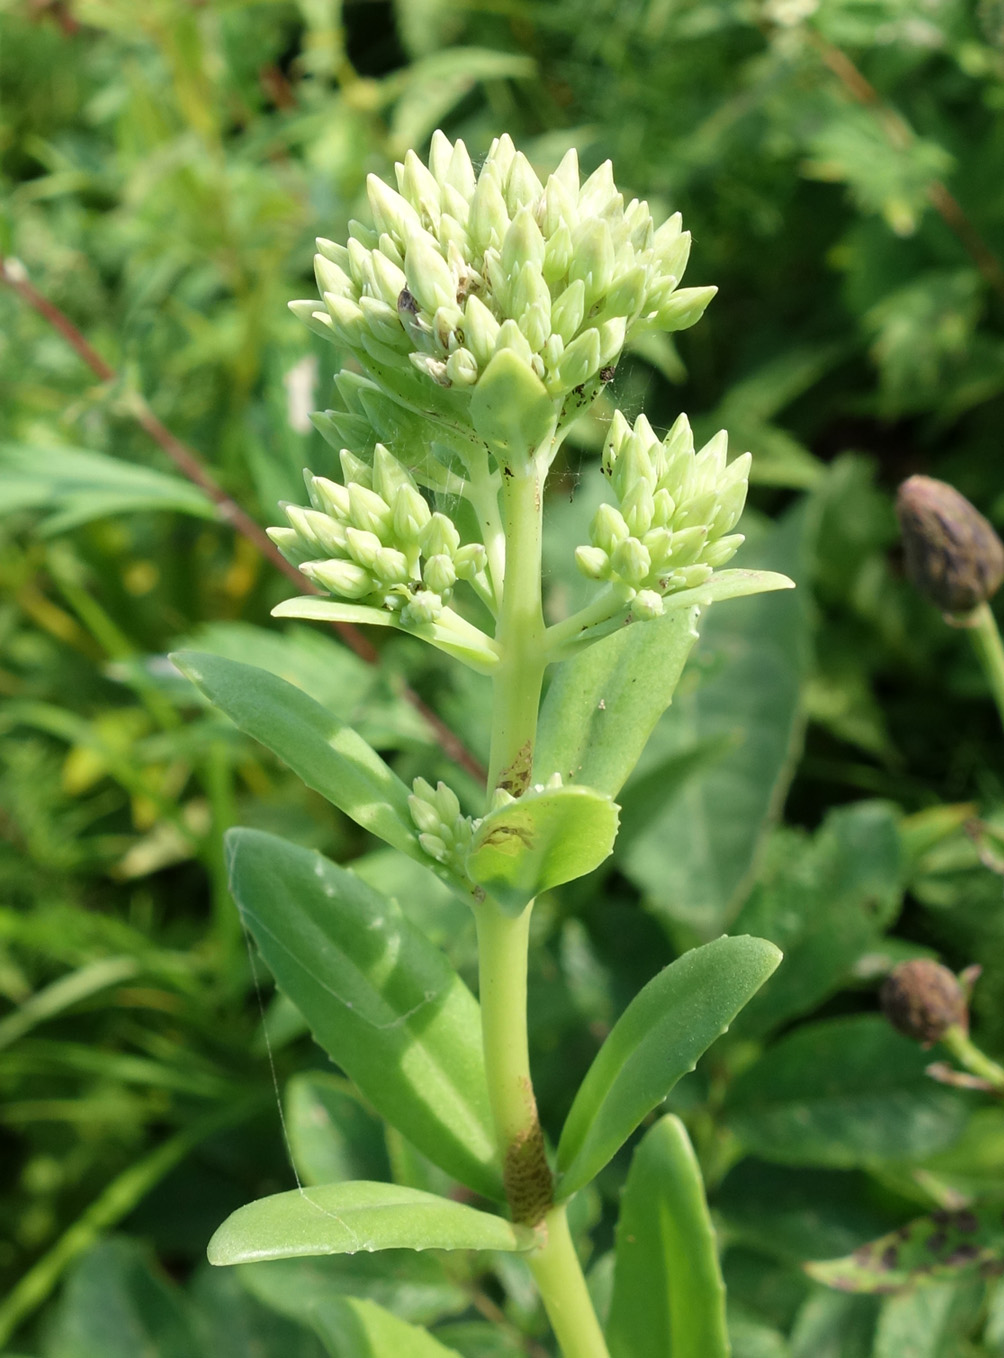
(515, 778)
(529, 1185)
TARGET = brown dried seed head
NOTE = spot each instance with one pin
(953, 555)
(923, 999)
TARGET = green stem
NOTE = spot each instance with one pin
(519, 675)
(607, 604)
(966, 1052)
(559, 1277)
(502, 953)
(987, 640)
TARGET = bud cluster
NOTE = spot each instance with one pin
(443, 831)
(374, 540)
(462, 266)
(676, 509)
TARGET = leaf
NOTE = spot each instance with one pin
(75, 486)
(232, 1324)
(929, 1322)
(115, 1306)
(944, 1244)
(603, 704)
(413, 1286)
(360, 1329)
(541, 840)
(328, 755)
(843, 1092)
(430, 87)
(511, 410)
(658, 1038)
(344, 1218)
(330, 1134)
(825, 902)
(668, 1296)
(379, 998)
(696, 859)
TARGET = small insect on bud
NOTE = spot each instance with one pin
(953, 555)
(922, 999)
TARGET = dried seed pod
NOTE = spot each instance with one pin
(953, 555)
(922, 999)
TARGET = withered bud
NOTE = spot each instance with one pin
(953, 555)
(922, 999)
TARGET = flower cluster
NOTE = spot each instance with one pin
(461, 268)
(444, 832)
(374, 540)
(675, 516)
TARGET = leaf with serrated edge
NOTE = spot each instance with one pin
(379, 997)
(658, 1038)
(344, 1218)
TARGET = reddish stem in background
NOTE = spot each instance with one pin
(192, 467)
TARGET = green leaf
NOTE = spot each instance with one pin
(843, 1092)
(233, 1324)
(511, 410)
(331, 1135)
(695, 860)
(944, 1244)
(114, 1305)
(668, 1296)
(328, 755)
(75, 486)
(658, 1038)
(382, 1001)
(361, 1329)
(413, 1286)
(361, 1215)
(929, 1322)
(603, 704)
(541, 840)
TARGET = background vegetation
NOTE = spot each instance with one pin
(829, 777)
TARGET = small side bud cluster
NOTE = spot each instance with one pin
(922, 999)
(443, 831)
(461, 267)
(374, 540)
(676, 509)
(953, 555)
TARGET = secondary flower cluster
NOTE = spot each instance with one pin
(444, 831)
(462, 267)
(374, 540)
(676, 512)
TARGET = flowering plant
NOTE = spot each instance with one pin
(484, 313)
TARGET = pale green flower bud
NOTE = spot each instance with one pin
(558, 254)
(345, 578)
(511, 337)
(530, 290)
(688, 544)
(580, 360)
(390, 249)
(434, 847)
(447, 804)
(639, 225)
(659, 542)
(481, 330)
(684, 308)
(469, 560)
(631, 561)
(730, 506)
(388, 474)
(592, 257)
(671, 247)
(430, 279)
(709, 463)
(389, 279)
(593, 562)
(411, 514)
(608, 528)
(332, 278)
(440, 537)
(462, 368)
(558, 207)
(501, 155)
(697, 510)
(355, 472)
(424, 811)
(391, 212)
(328, 533)
(500, 797)
(346, 316)
(717, 553)
(647, 604)
(461, 174)
(422, 607)
(627, 296)
(488, 221)
(328, 496)
(612, 335)
(364, 547)
(663, 507)
(444, 326)
(552, 352)
(535, 323)
(637, 508)
(568, 311)
(452, 236)
(313, 317)
(522, 186)
(598, 194)
(523, 244)
(420, 187)
(439, 574)
(368, 510)
(291, 544)
(338, 254)
(390, 566)
(431, 367)
(383, 321)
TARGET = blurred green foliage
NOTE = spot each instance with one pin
(829, 777)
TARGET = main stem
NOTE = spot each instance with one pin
(987, 640)
(503, 939)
